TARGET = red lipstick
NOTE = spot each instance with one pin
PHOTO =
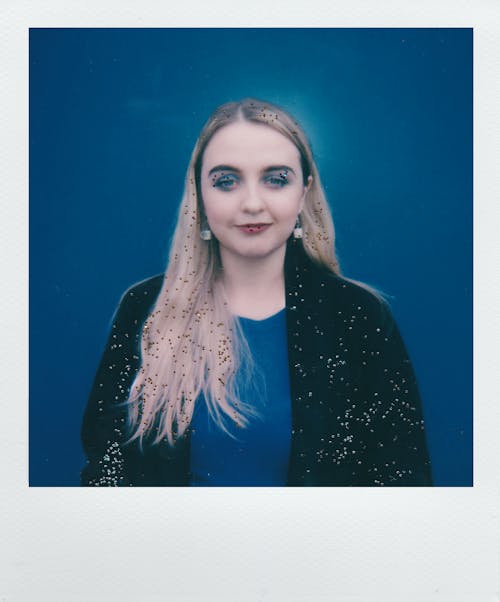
(253, 228)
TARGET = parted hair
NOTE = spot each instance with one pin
(191, 345)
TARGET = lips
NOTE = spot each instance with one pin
(253, 228)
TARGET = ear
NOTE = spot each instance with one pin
(307, 187)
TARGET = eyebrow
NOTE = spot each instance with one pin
(222, 168)
(218, 168)
(280, 168)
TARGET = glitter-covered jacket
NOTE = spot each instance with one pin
(356, 411)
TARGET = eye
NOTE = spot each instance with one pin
(225, 182)
(277, 180)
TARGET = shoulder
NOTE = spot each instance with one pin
(149, 287)
(346, 300)
(340, 289)
(306, 278)
(316, 290)
(348, 292)
(137, 300)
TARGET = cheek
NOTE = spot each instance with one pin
(217, 213)
(286, 217)
(289, 208)
(208, 202)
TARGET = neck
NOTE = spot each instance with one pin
(255, 288)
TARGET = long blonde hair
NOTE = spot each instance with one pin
(191, 344)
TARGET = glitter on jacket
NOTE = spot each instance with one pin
(357, 416)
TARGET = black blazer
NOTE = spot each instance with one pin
(356, 412)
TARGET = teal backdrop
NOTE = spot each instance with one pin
(114, 114)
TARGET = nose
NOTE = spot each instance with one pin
(251, 199)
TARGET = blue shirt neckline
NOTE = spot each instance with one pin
(266, 323)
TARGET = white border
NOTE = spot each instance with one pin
(237, 544)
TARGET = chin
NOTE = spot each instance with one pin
(262, 252)
(257, 249)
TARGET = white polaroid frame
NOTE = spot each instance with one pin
(255, 545)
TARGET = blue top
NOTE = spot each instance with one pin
(260, 453)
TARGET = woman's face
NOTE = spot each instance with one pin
(252, 189)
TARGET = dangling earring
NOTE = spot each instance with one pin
(297, 231)
(206, 233)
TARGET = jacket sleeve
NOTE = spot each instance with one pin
(391, 408)
(104, 422)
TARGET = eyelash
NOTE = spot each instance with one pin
(223, 180)
(227, 182)
(277, 181)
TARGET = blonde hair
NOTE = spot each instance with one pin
(191, 344)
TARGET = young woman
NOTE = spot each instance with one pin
(252, 361)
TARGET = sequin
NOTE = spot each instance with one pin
(357, 415)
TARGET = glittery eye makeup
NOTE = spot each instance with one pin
(225, 181)
(277, 179)
(225, 177)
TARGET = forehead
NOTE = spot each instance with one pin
(249, 144)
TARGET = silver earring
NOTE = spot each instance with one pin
(206, 234)
(297, 231)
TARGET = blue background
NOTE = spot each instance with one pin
(114, 115)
